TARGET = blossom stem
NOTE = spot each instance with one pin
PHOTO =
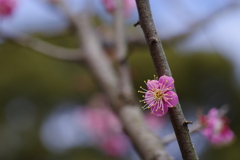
(162, 68)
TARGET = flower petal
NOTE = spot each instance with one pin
(213, 112)
(166, 83)
(160, 111)
(152, 84)
(170, 99)
(149, 98)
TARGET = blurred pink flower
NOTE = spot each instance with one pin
(158, 97)
(7, 7)
(217, 130)
(102, 122)
(109, 5)
(106, 129)
(128, 6)
(115, 145)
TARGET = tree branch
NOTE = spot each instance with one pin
(146, 143)
(121, 52)
(48, 49)
(119, 28)
(95, 57)
(193, 129)
(162, 68)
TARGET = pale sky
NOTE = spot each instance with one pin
(172, 17)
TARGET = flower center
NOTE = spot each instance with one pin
(158, 94)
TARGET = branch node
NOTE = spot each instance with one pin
(153, 40)
(188, 122)
(137, 23)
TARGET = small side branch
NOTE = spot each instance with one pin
(172, 137)
(188, 122)
(232, 5)
(136, 24)
(49, 49)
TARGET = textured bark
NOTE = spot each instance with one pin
(162, 68)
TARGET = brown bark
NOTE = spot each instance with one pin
(162, 68)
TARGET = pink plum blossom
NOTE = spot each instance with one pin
(128, 6)
(102, 122)
(109, 5)
(6, 7)
(115, 145)
(158, 96)
(106, 130)
(217, 130)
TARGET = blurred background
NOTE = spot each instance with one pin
(48, 106)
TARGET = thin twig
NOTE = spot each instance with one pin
(233, 4)
(48, 49)
(120, 41)
(136, 24)
(121, 52)
(162, 68)
(172, 137)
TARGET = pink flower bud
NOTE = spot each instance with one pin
(128, 6)
(115, 145)
(106, 129)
